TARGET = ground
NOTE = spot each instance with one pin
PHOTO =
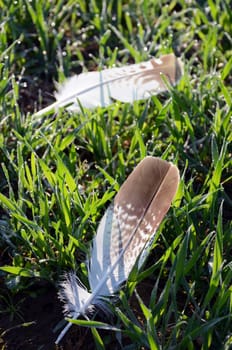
(40, 315)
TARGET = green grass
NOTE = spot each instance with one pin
(58, 174)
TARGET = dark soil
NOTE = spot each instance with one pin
(32, 325)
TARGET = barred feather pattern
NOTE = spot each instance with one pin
(127, 226)
(126, 84)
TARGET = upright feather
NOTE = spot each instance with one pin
(126, 84)
(128, 225)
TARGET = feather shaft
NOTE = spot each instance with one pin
(66, 328)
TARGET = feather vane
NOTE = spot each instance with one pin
(126, 84)
(127, 226)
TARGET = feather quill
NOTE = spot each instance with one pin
(127, 226)
(126, 84)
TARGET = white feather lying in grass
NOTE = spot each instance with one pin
(126, 84)
(124, 231)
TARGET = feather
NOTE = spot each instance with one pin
(126, 84)
(125, 229)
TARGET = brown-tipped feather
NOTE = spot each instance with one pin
(126, 84)
(145, 198)
(128, 224)
(131, 221)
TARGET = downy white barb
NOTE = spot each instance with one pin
(126, 84)
(128, 225)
